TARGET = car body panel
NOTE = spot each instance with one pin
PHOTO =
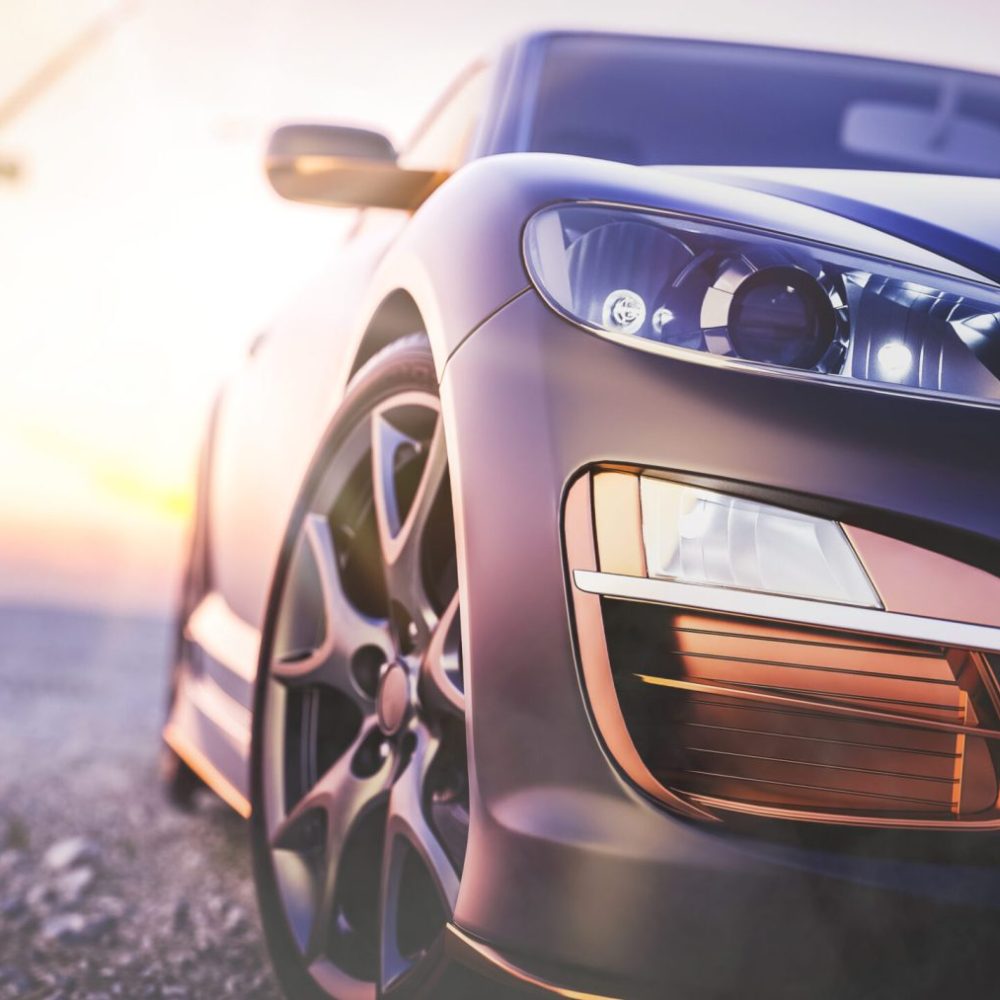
(957, 217)
(459, 260)
(569, 865)
(270, 419)
(556, 831)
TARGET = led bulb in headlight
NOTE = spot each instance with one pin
(760, 299)
(895, 360)
(623, 311)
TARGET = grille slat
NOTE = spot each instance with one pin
(833, 742)
(819, 667)
(821, 753)
(815, 795)
(933, 697)
(704, 704)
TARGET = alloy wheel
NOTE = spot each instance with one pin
(364, 774)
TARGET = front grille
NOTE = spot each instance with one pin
(725, 710)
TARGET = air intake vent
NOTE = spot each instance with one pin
(747, 713)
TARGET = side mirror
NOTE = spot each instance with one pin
(342, 166)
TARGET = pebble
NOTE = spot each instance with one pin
(71, 886)
(68, 853)
(10, 859)
(111, 905)
(99, 925)
(75, 928)
(235, 920)
(12, 907)
(181, 919)
(14, 978)
(40, 896)
(63, 927)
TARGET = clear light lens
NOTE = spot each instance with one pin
(765, 299)
(698, 536)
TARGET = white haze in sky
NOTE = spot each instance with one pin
(141, 249)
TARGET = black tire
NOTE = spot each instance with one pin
(180, 784)
(178, 781)
(304, 918)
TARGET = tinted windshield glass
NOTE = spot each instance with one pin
(652, 101)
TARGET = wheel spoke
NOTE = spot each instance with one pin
(387, 441)
(399, 529)
(325, 818)
(340, 794)
(440, 670)
(410, 837)
(421, 981)
(404, 566)
(345, 630)
(434, 472)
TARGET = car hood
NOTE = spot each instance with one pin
(956, 217)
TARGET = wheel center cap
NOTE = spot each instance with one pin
(392, 704)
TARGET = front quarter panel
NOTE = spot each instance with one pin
(568, 862)
(459, 258)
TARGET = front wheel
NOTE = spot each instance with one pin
(359, 775)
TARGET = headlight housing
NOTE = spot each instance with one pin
(670, 282)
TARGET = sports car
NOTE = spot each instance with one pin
(593, 585)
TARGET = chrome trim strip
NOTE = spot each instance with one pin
(792, 609)
(817, 705)
(227, 638)
(481, 957)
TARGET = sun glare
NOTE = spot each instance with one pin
(142, 250)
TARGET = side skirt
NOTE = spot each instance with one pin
(210, 721)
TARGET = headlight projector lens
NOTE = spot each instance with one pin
(782, 316)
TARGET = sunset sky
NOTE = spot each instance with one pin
(141, 249)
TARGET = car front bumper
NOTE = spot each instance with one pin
(573, 872)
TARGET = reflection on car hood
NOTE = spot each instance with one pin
(957, 217)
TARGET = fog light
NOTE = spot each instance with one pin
(697, 536)
(738, 659)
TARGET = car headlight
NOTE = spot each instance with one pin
(761, 299)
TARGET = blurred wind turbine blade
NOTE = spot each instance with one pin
(53, 68)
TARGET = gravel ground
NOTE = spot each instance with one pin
(105, 890)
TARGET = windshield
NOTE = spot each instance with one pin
(657, 101)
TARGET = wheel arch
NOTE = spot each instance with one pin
(395, 317)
